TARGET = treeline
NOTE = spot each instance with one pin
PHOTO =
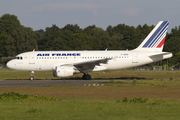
(15, 38)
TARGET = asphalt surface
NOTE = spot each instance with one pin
(10, 83)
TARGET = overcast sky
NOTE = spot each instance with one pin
(39, 14)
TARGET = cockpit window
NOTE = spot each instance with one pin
(18, 58)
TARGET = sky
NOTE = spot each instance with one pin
(39, 14)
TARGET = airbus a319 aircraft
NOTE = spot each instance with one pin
(67, 63)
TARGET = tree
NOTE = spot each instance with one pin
(50, 34)
(178, 57)
(73, 28)
(10, 47)
(3, 38)
(21, 40)
(8, 23)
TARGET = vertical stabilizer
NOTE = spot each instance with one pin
(156, 38)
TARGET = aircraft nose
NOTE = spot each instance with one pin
(9, 64)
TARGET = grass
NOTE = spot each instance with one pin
(6, 74)
(88, 109)
(117, 100)
(146, 89)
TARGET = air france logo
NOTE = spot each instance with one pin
(59, 54)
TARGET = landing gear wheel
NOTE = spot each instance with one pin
(32, 75)
(86, 77)
(83, 77)
(31, 78)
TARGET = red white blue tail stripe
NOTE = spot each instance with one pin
(157, 37)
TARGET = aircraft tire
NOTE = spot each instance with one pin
(31, 78)
(86, 77)
(83, 77)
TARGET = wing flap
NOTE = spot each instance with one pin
(93, 62)
(91, 65)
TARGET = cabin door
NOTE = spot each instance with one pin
(31, 58)
(134, 57)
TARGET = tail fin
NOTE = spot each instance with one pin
(155, 40)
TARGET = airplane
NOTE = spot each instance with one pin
(68, 63)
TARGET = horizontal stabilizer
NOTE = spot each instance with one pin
(162, 53)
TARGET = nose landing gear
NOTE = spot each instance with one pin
(32, 75)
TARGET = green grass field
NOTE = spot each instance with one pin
(6, 74)
(161, 88)
(89, 109)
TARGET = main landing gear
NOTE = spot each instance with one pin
(32, 75)
(86, 77)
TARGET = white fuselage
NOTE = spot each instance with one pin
(48, 60)
(66, 63)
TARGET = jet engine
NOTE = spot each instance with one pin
(63, 71)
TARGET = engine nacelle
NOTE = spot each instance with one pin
(63, 71)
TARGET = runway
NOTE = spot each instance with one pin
(9, 83)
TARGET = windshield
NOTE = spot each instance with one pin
(18, 58)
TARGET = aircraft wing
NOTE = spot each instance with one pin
(90, 65)
(93, 62)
